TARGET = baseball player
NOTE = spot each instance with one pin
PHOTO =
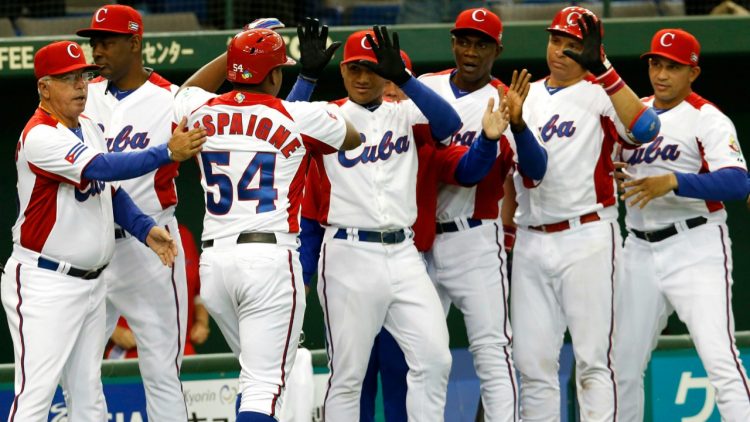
(467, 260)
(64, 238)
(369, 262)
(253, 171)
(677, 255)
(134, 106)
(568, 239)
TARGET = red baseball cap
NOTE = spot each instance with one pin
(60, 57)
(481, 20)
(114, 19)
(358, 48)
(677, 45)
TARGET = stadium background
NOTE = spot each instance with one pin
(176, 55)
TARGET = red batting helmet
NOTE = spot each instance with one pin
(253, 53)
(566, 21)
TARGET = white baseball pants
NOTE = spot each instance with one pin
(565, 279)
(153, 299)
(364, 286)
(469, 270)
(691, 273)
(255, 293)
(57, 325)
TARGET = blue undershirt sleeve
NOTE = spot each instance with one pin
(476, 162)
(444, 121)
(301, 91)
(126, 165)
(130, 217)
(532, 158)
(311, 238)
(721, 185)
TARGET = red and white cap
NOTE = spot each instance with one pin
(114, 19)
(480, 20)
(60, 57)
(565, 21)
(677, 45)
(358, 48)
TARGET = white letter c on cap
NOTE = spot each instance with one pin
(663, 39)
(365, 44)
(572, 18)
(72, 46)
(99, 12)
(474, 15)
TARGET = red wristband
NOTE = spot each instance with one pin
(509, 237)
(610, 81)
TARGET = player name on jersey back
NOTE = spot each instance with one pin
(254, 161)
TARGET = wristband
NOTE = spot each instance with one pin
(308, 78)
(610, 81)
(509, 237)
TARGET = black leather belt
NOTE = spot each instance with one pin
(121, 233)
(453, 227)
(250, 237)
(388, 238)
(49, 264)
(659, 235)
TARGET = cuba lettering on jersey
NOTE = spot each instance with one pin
(55, 203)
(254, 161)
(375, 183)
(579, 127)
(481, 201)
(130, 126)
(695, 137)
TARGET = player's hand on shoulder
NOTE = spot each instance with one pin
(186, 143)
(495, 120)
(161, 242)
(641, 191)
(314, 55)
(515, 97)
(390, 65)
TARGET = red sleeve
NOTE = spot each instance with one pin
(311, 198)
(446, 159)
(427, 189)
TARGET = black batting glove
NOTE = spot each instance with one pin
(390, 65)
(591, 57)
(314, 56)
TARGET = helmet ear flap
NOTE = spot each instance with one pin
(252, 53)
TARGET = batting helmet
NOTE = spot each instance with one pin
(253, 53)
(566, 21)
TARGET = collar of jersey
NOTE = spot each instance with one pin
(457, 92)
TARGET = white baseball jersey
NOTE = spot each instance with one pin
(254, 162)
(130, 126)
(695, 138)
(56, 203)
(579, 127)
(375, 185)
(481, 201)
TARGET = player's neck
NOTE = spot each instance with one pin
(553, 82)
(469, 86)
(667, 104)
(69, 121)
(133, 79)
(372, 105)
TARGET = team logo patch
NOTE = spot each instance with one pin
(693, 57)
(239, 97)
(133, 26)
(75, 152)
(246, 74)
(734, 146)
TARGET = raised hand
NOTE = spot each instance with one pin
(162, 244)
(515, 97)
(267, 23)
(314, 56)
(495, 121)
(390, 65)
(592, 56)
(186, 143)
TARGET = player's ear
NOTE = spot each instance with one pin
(499, 50)
(694, 72)
(136, 44)
(42, 87)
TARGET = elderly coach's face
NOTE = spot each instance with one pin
(66, 94)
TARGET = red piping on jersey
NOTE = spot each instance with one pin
(698, 102)
(40, 117)
(490, 189)
(40, 214)
(23, 344)
(603, 179)
(166, 191)
(712, 206)
(288, 338)
(296, 188)
(160, 81)
(324, 198)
